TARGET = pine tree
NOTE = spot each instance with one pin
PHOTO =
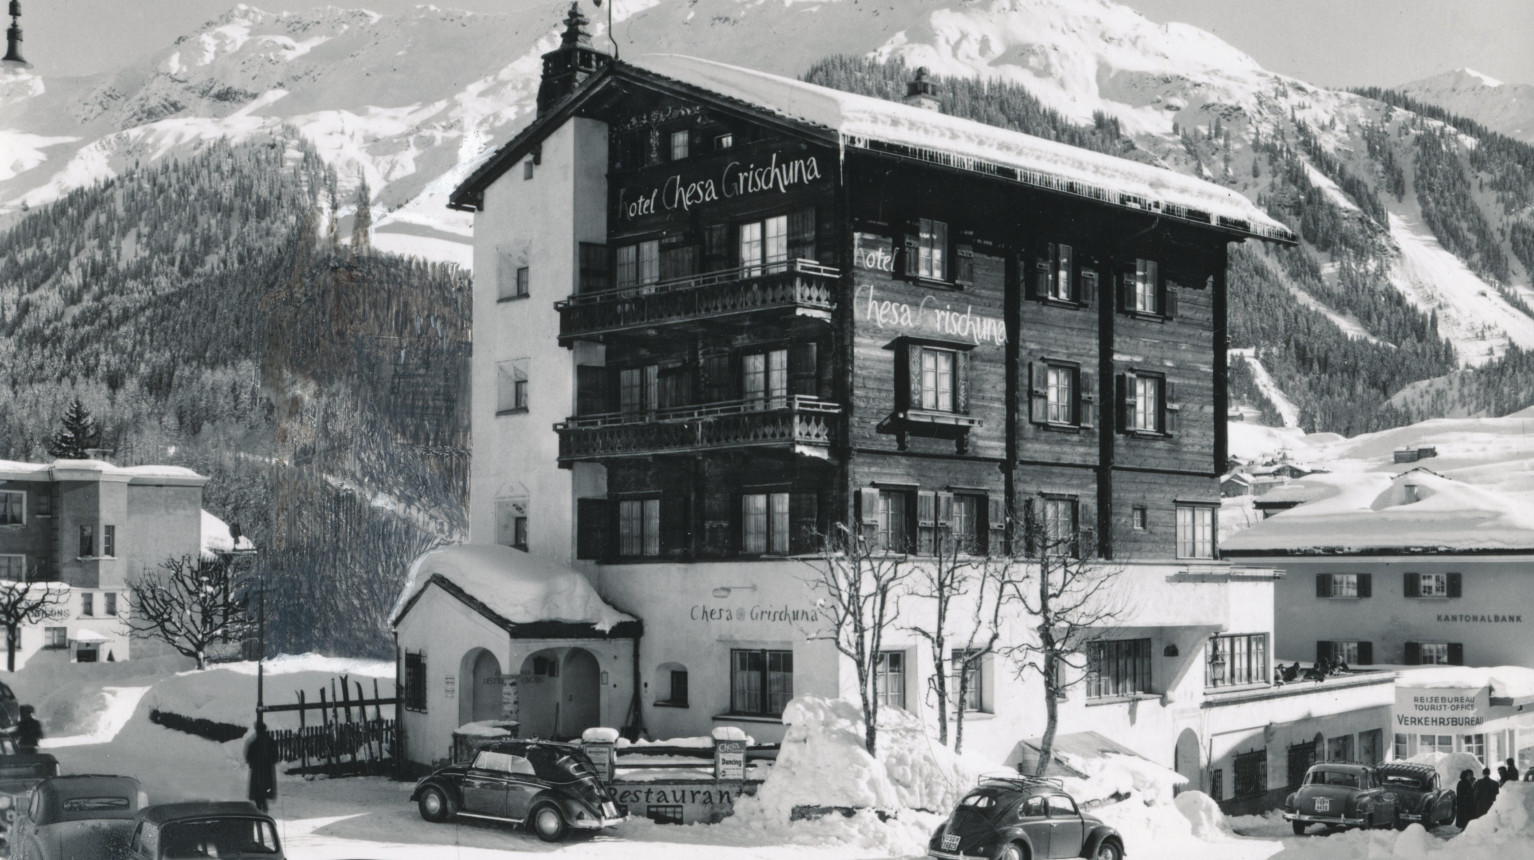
(362, 224)
(79, 434)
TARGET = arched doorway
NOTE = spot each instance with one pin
(479, 689)
(1186, 760)
(581, 693)
(538, 696)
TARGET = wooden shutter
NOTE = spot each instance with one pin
(590, 389)
(926, 522)
(801, 234)
(911, 264)
(1168, 298)
(1087, 288)
(1126, 402)
(1086, 529)
(717, 253)
(1456, 654)
(964, 259)
(1038, 390)
(1366, 653)
(1030, 527)
(1086, 399)
(675, 524)
(1127, 287)
(592, 527)
(1411, 586)
(1365, 585)
(868, 508)
(804, 515)
(1170, 406)
(718, 382)
(595, 268)
(1456, 585)
(1323, 585)
(996, 524)
(1035, 274)
(913, 376)
(679, 262)
(1413, 653)
(803, 369)
(961, 382)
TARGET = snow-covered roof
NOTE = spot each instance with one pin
(1372, 511)
(1511, 682)
(75, 470)
(216, 538)
(518, 586)
(859, 120)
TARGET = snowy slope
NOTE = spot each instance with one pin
(1500, 106)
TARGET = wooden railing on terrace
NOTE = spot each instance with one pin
(792, 284)
(790, 420)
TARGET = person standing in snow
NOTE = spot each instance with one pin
(1486, 790)
(261, 755)
(1464, 798)
(29, 732)
(1511, 772)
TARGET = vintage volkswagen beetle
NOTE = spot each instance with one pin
(18, 773)
(223, 829)
(80, 815)
(547, 787)
(1013, 818)
(1419, 796)
(1341, 795)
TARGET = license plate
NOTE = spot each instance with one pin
(609, 809)
(1323, 804)
(950, 842)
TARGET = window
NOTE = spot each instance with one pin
(510, 277)
(766, 378)
(1433, 585)
(664, 813)
(638, 265)
(763, 243)
(724, 141)
(679, 145)
(594, 274)
(415, 680)
(1140, 518)
(1053, 273)
(678, 688)
(87, 541)
(1402, 747)
(761, 681)
(511, 522)
(964, 666)
(937, 378)
(764, 523)
(1061, 394)
(889, 678)
(894, 527)
(1251, 773)
(1147, 296)
(1217, 784)
(87, 604)
(1057, 526)
(1344, 585)
(639, 527)
(639, 389)
(521, 284)
(109, 541)
(1237, 660)
(1350, 652)
(1147, 404)
(1147, 414)
(511, 386)
(109, 601)
(1474, 744)
(932, 250)
(55, 637)
(1195, 531)
(1434, 654)
(42, 503)
(13, 568)
(527, 169)
(1118, 667)
(13, 508)
(965, 523)
(1061, 806)
(1435, 743)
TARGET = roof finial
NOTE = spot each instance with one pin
(575, 29)
(13, 35)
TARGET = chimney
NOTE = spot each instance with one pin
(922, 93)
(568, 66)
(13, 36)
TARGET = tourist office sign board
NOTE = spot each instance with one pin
(1440, 710)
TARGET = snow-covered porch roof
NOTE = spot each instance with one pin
(528, 596)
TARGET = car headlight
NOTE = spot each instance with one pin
(5, 801)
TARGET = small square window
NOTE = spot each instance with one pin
(87, 604)
(55, 637)
(109, 601)
(527, 169)
(679, 145)
(1141, 518)
(521, 285)
(511, 386)
(109, 541)
(87, 541)
(724, 141)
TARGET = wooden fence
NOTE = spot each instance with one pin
(346, 739)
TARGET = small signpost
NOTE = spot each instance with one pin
(729, 754)
(598, 744)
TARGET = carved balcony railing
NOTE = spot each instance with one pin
(800, 285)
(784, 422)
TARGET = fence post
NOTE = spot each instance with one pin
(303, 740)
(325, 715)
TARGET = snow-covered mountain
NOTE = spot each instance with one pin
(1504, 107)
(409, 101)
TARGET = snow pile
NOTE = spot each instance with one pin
(599, 735)
(1203, 814)
(520, 587)
(1513, 682)
(1450, 766)
(1118, 774)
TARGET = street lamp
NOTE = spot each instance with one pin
(1217, 666)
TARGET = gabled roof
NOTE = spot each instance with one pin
(898, 130)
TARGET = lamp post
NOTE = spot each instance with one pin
(1217, 667)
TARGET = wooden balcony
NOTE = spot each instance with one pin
(798, 286)
(787, 422)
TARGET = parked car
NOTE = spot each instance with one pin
(1024, 817)
(1419, 796)
(10, 708)
(80, 815)
(547, 787)
(225, 829)
(19, 772)
(1342, 796)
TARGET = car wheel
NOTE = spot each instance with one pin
(1109, 851)
(548, 822)
(435, 804)
(1299, 827)
(1010, 852)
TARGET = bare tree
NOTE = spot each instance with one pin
(1069, 594)
(24, 603)
(856, 582)
(193, 604)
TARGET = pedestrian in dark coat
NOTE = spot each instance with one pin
(1512, 771)
(1464, 798)
(29, 732)
(1486, 790)
(261, 755)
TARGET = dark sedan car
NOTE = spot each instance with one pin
(1419, 796)
(18, 773)
(81, 815)
(544, 786)
(1013, 819)
(1342, 796)
(224, 829)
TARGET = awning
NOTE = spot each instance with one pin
(89, 637)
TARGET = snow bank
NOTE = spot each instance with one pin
(1117, 774)
(1450, 765)
(520, 587)
(1203, 814)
